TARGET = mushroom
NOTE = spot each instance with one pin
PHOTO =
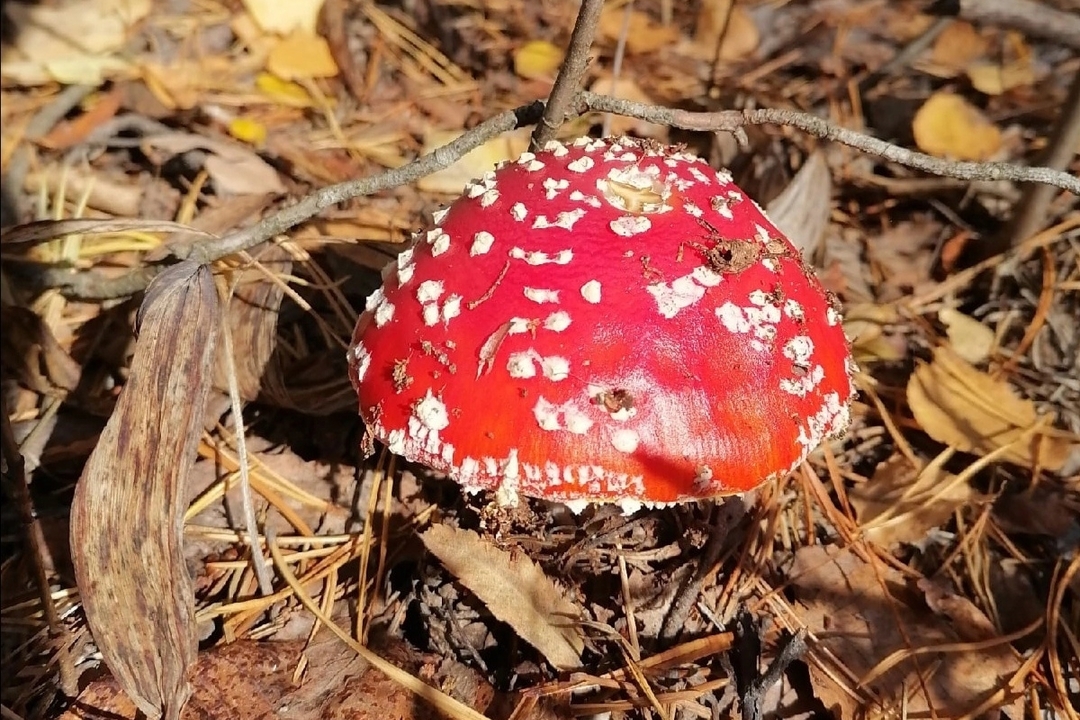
(605, 321)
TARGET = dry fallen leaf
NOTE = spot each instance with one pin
(643, 34)
(864, 614)
(968, 337)
(956, 47)
(515, 590)
(483, 159)
(963, 407)
(900, 503)
(995, 79)
(253, 319)
(537, 59)
(126, 517)
(802, 210)
(69, 42)
(950, 126)
(301, 55)
(274, 16)
(864, 325)
(718, 19)
(234, 168)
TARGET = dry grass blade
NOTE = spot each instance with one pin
(126, 518)
(516, 591)
(46, 230)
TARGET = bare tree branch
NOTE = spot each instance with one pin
(1031, 212)
(91, 286)
(1034, 19)
(732, 120)
(568, 81)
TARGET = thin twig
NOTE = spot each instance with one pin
(1031, 213)
(91, 286)
(258, 562)
(39, 126)
(17, 486)
(616, 63)
(753, 698)
(731, 120)
(568, 81)
(1033, 19)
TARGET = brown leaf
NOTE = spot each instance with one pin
(802, 210)
(961, 406)
(32, 354)
(516, 591)
(900, 503)
(252, 320)
(864, 615)
(126, 517)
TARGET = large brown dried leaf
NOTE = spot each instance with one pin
(863, 615)
(126, 518)
(900, 503)
(961, 406)
(516, 591)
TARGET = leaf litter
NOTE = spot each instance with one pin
(928, 554)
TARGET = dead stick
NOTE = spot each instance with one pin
(16, 482)
(1034, 19)
(91, 286)
(568, 81)
(1031, 213)
(731, 120)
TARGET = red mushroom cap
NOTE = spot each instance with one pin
(609, 321)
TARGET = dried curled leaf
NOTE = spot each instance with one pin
(900, 503)
(950, 126)
(127, 514)
(961, 406)
(516, 591)
(802, 210)
(869, 622)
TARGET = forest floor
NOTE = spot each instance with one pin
(926, 565)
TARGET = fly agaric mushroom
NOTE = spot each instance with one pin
(605, 321)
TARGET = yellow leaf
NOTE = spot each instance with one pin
(993, 79)
(537, 60)
(947, 125)
(300, 56)
(283, 18)
(643, 35)
(958, 45)
(958, 405)
(248, 130)
(452, 180)
(717, 19)
(283, 91)
(968, 337)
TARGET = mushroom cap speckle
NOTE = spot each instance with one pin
(605, 321)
